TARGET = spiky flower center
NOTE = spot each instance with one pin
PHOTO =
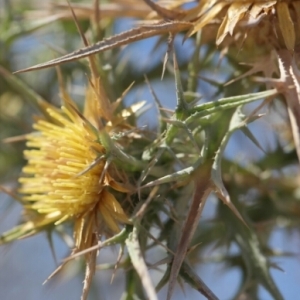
(60, 178)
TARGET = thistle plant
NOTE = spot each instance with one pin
(91, 167)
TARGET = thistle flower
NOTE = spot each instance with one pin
(69, 177)
(63, 181)
(270, 22)
(71, 173)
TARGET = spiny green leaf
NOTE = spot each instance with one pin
(181, 110)
(116, 154)
(226, 103)
(257, 265)
(237, 121)
(177, 176)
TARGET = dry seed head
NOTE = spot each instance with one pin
(271, 22)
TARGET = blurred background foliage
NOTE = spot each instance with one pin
(262, 180)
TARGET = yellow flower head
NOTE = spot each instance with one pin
(68, 177)
(268, 21)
